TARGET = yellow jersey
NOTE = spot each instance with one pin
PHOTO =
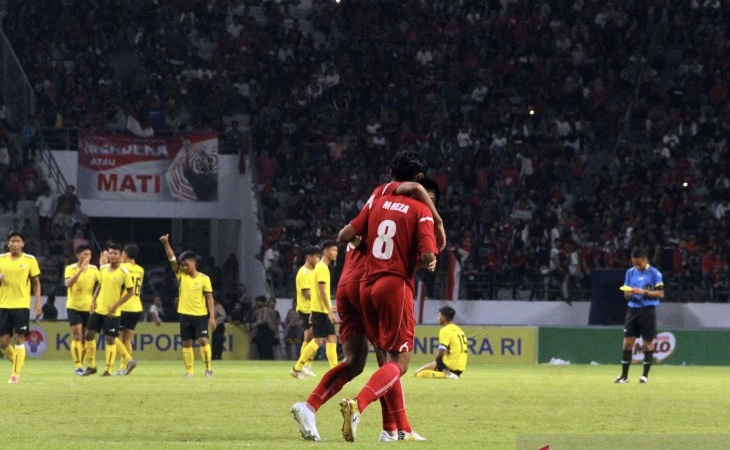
(113, 284)
(134, 303)
(15, 288)
(80, 294)
(305, 280)
(321, 276)
(192, 294)
(453, 341)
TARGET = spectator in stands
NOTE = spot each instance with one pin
(4, 158)
(50, 312)
(157, 311)
(219, 334)
(263, 328)
(45, 208)
(11, 191)
(68, 205)
(238, 315)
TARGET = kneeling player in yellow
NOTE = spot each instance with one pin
(17, 271)
(195, 307)
(115, 288)
(451, 359)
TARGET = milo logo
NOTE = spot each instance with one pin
(664, 346)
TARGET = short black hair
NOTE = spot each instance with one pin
(638, 252)
(132, 250)
(448, 312)
(187, 254)
(82, 248)
(113, 246)
(14, 233)
(407, 165)
(431, 186)
(328, 244)
(312, 250)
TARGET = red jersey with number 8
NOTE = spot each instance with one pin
(399, 229)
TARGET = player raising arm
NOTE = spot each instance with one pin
(195, 307)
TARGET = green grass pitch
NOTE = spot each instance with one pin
(246, 405)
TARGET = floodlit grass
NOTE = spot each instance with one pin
(247, 404)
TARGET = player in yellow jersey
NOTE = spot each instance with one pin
(323, 316)
(453, 350)
(132, 308)
(81, 279)
(18, 272)
(115, 288)
(195, 306)
(305, 288)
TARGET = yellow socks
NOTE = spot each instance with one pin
(111, 356)
(90, 353)
(19, 360)
(9, 352)
(189, 358)
(307, 354)
(430, 374)
(124, 352)
(77, 353)
(331, 351)
(207, 356)
(308, 362)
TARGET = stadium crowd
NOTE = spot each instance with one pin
(561, 132)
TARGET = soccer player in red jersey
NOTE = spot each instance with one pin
(405, 166)
(400, 233)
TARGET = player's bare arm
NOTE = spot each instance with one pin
(347, 234)
(120, 302)
(83, 265)
(211, 311)
(165, 239)
(37, 294)
(417, 191)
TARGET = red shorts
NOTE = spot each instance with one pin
(348, 308)
(387, 310)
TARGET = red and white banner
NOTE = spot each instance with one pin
(114, 167)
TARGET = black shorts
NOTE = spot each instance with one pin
(193, 327)
(440, 366)
(14, 320)
(322, 326)
(76, 317)
(305, 320)
(129, 320)
(102, 322)
(641, 322)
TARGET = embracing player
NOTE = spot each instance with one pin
(406, 166)
(400, 233)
